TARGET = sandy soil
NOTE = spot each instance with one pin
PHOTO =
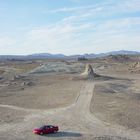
(50, 91)
(118, 101)
(104, 109)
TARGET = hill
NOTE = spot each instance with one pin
(61, 56)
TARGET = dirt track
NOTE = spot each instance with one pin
(75, 122)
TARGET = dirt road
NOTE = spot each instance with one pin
(75, 122)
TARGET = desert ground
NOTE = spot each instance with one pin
(59, 92)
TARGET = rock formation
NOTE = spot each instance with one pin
(88, 72)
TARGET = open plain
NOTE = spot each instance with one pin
(38, 92)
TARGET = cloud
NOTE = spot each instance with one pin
(84, 29)
(106, 8)
(55, 37)
(119, 25)
(116, 42)
(5, 41)
(85, 37)
(130, 5)
(7, 45)
(74, 9)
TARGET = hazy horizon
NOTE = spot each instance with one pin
(69, 27)
(65, 54)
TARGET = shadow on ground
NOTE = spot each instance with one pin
(110, 138)
(106, 78)
(64, 134)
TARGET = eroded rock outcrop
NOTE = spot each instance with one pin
(88, 72)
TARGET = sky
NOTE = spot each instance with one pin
(68, 26)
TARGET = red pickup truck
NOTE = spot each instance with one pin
(46, 129)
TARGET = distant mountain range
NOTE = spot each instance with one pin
(60, 56)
